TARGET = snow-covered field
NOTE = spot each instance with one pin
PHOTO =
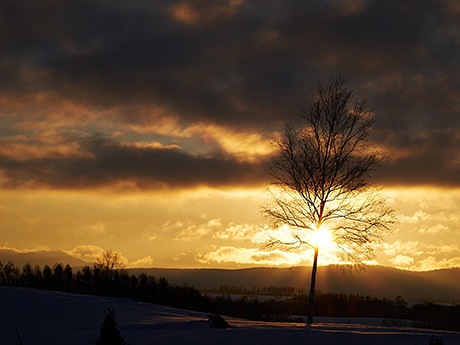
(48, 318)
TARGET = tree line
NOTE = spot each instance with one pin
(105, 281)
(259, 290)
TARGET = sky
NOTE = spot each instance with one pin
(146, 127)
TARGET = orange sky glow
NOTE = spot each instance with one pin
(148, 129)
(212, 228)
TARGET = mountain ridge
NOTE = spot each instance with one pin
(40, 258)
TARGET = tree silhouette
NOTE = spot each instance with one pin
(109, 334)
(109, 260)
(321, 179)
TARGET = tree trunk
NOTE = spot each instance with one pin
(311, 297)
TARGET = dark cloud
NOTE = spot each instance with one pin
(248, 65)
(107, 164)
(431, 159)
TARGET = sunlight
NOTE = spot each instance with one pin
(322, 238)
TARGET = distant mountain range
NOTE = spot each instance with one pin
(376, 281)
(40, 258)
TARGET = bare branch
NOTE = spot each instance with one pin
(322, 175)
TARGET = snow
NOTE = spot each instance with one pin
(48, 318)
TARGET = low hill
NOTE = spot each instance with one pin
(377, 281)
(40, 258)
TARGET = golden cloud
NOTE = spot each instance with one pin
(432, 263)
(239, 232)
(261, 257)
(86, 252)
(143, 262)
(251, 256)
(90, 253)
(403, 247)
(198, 231)
(46, 144)
(435, 229)
(245, 145)
(45, 110)
(402, 261)
(6, 246)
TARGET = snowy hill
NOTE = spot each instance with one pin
(55, 318)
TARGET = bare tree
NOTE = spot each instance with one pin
(109, 261)
(322, 179)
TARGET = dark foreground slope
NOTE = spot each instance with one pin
(56, 318)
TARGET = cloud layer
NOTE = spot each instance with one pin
(166, 93)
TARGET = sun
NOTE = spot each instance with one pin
(322, 238)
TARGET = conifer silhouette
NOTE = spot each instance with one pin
(109, 334)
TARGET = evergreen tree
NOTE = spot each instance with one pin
(109, 334)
